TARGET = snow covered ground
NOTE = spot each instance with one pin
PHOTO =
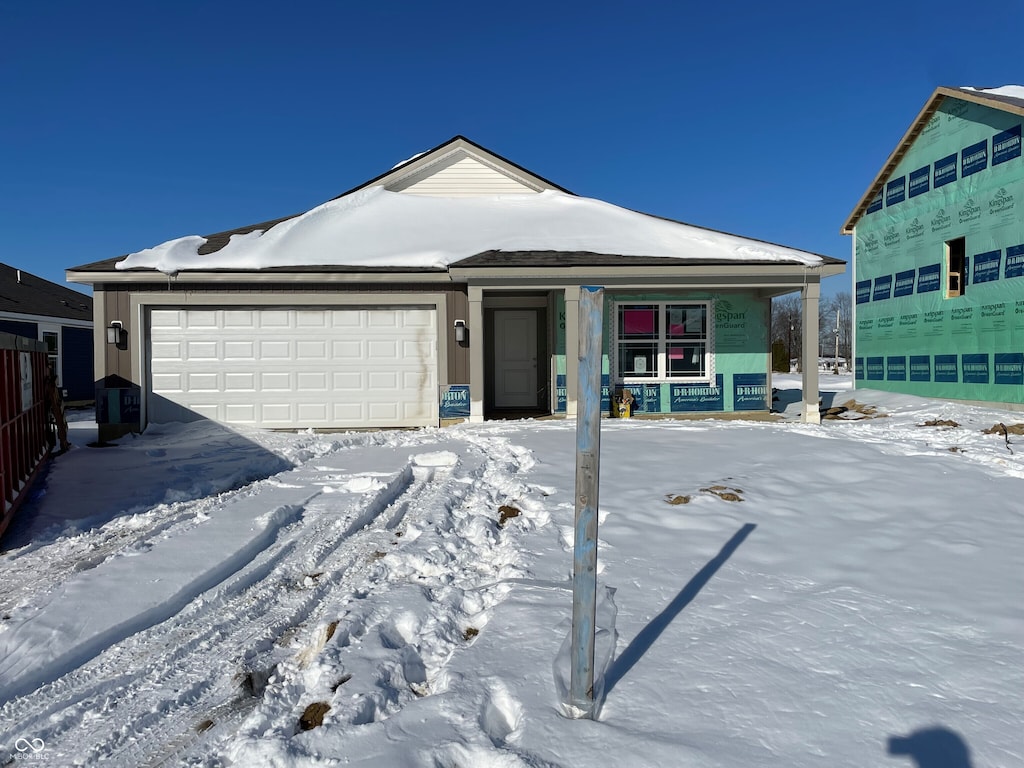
(781, 594)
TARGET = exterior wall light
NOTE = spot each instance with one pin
(116, 334)
(461, 332)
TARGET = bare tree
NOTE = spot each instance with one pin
(837, 323)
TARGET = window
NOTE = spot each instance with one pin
(956, 267)
(662, 340)
(52, 352)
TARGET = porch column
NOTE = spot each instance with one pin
(572, 348)
(476, 354)
(809, 305)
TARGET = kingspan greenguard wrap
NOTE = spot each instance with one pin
(962, 178)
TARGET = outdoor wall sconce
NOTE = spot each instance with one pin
(116, 334)
(461, 332)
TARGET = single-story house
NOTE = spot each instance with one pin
(447, 287)
(56, 315)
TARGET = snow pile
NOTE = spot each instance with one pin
(772, 594)
(373, 227)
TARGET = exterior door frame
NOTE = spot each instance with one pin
(539, 306)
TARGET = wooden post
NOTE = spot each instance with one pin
(588, 454)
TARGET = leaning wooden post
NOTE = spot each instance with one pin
(588, 454)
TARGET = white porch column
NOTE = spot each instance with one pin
(476, 354)
(809, 305)
(572, 347)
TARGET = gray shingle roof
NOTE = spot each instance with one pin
(31, 295)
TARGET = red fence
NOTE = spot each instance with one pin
(23, 428)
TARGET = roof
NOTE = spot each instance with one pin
(1008, 99)
(375, 227)
(216, 241)
(24, 293)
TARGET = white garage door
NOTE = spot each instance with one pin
(352, 367)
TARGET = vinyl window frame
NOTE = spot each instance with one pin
(660, 342)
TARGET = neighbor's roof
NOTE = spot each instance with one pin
(1009, 98)
(26, 294)
(373, 228)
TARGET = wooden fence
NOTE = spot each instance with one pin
(23, 420)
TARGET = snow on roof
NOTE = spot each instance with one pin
(1013, 91)
(373, 227)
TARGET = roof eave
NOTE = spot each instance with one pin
(278, 275)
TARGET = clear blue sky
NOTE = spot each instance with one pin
(125, 124)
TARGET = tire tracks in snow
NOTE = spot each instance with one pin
(396, 630)
(28, 574)
(155, 682)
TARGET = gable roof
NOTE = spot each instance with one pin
(1008, 99)
(403, 171)
(375, 227)
(25, 294)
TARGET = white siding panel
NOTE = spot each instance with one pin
(295, 368)
(462, 176)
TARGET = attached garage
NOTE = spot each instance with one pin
(322, 367)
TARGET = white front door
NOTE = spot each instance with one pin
(515, 358)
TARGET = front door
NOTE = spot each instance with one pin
(515, 358)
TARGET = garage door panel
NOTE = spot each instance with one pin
(384, 411)
(202, 382)
(166, 318)
(383, 381)
(311, 319)
(240, 413)
(240, 382)
(201, 350)
(197, 319)
(274, 318)
(167, 382)
(312, 350)
(274, 350)
(276, 412)
(167, 349)
(349, 381)
(312, 413)
(295, 368)
(239, 350)
(206, 409)
(312, 382)
(347, 350)
(380, 349)
(271, 382)
(239, 318)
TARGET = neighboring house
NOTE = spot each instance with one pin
(56, 315)
(939, 254)
(448, 287)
